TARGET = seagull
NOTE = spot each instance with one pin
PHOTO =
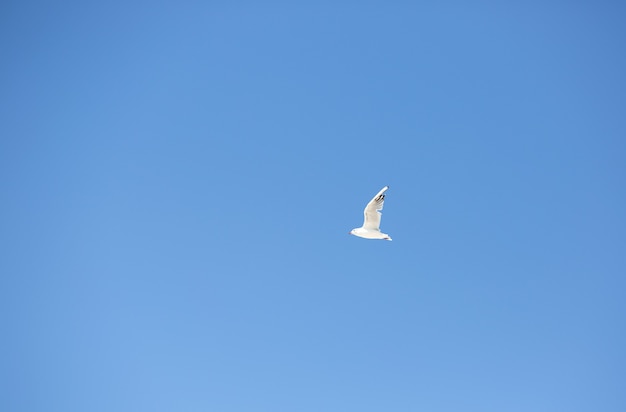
(371, 224)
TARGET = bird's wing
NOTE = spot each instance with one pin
(371, 212)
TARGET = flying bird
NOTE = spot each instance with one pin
(371, 224)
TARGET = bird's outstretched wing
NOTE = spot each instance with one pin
(371, 212)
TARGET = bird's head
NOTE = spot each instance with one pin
(352, 232)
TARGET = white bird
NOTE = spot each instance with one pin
(371, 224)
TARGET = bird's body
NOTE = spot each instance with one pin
(369, 234)
(371, 223)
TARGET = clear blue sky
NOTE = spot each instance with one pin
(178, 181)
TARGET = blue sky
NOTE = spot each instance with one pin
(179, 180)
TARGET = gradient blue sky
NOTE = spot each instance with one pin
(179, 179)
